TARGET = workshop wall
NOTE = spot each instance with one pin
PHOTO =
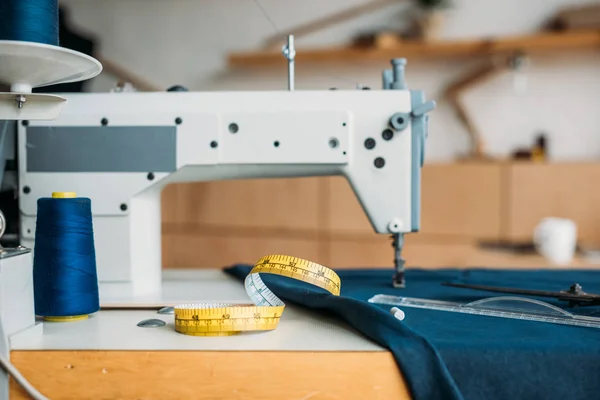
(187, 41)
(219, 223)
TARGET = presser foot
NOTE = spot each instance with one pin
(398, 281)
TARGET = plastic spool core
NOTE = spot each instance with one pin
(65, 195)
(66, 319)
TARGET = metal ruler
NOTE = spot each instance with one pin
(503, 307)
(220, 319)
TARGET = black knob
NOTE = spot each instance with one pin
(387, 134)
(177, 88)
(369, 143)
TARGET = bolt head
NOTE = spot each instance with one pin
(369, 143)
(395, 225)
(387, 134)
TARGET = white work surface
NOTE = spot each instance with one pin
(299, 329)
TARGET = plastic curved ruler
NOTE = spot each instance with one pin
(220, 319)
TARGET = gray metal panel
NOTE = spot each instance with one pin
(101, 148)
(419, 133)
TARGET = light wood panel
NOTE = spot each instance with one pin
(213, 224)
(462, 200)
(456, 199)
(213, 250)
(210, 375)
(257, 203)
(553, 190)
(344, 214)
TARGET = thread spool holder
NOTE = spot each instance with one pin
(28, 65)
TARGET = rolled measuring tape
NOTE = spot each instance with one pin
(220, 319)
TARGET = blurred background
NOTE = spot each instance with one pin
(515, 138)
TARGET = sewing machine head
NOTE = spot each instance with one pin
(121, 149)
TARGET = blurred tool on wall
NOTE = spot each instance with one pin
(515, 64)
(538, 152)
(420, 19)
(421, 22)
(583, 17)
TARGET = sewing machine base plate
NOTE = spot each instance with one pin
(299, 329)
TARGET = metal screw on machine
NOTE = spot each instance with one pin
(574, 289)
(20, 99)
(151, 323)
(290, 53)
(177, 88)
(167, 310)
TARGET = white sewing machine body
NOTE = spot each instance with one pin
(121, 149)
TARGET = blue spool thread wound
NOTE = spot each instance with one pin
(29, 21)
(64, 264)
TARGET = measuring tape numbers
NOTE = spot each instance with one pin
(221, 319)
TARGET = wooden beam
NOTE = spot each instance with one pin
(329, 21)
(540, 42)
(453, 94)
(124, 75)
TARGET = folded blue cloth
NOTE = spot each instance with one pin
(445, 355)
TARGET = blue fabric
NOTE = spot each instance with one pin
(445, 355)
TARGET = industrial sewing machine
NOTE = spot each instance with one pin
(121, 149)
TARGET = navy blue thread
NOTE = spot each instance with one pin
(29, 21)
(64, 265)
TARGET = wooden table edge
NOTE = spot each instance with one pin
(83, 374)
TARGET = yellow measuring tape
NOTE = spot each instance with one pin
(218, 319)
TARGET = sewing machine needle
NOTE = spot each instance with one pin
(398, 244)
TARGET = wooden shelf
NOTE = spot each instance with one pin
(548, 41)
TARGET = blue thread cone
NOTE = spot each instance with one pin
(29, 21)
(64, 264)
